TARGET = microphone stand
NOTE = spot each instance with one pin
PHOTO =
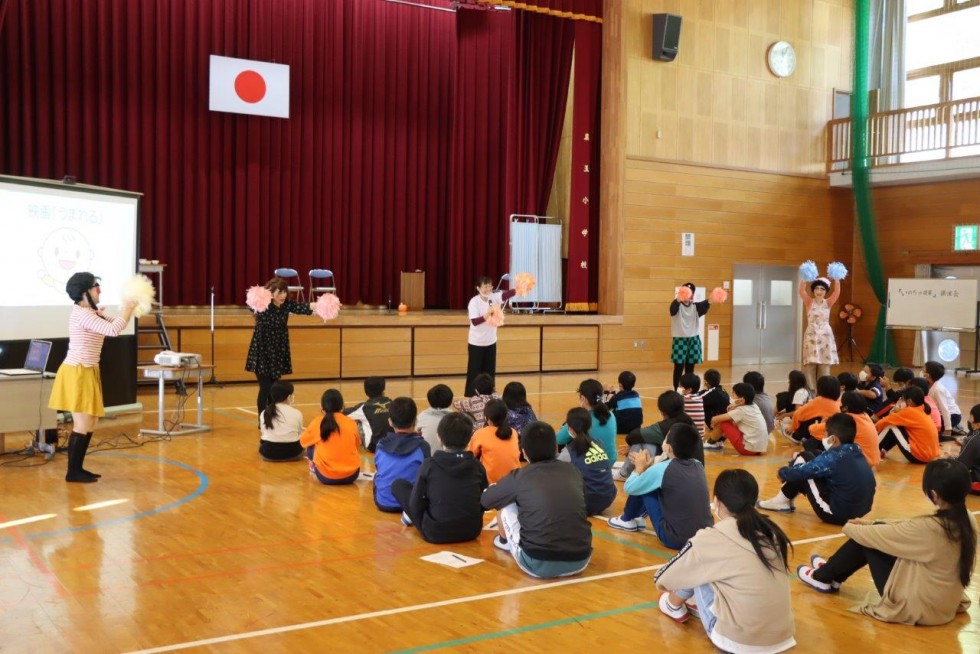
(213, 380)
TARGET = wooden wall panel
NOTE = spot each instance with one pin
(570, 348)
(230, 350)
(316, 353)
(382, 351)
(440, 350)
(737, 217)
(519, 350)
(915, 226)
(717, 103)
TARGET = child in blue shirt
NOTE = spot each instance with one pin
(625, 404)
(673, 492)
(399, 454)
(603, 421)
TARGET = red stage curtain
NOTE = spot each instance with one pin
(116, 93)
(590, 10)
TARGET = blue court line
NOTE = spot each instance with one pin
(202, 486)
(627, 543)
(529, 628)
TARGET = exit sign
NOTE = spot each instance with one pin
(966, 237)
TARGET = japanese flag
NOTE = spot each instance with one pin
(242, 86)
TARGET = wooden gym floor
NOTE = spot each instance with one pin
(195, 543)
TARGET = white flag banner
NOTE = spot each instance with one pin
(242, 86)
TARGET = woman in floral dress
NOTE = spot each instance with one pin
(819, 347)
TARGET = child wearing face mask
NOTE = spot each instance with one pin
(894, 389)
(838, 483)
(869, 386)
(743, 425)
(482, 341)
(736, 571)
(970, 452)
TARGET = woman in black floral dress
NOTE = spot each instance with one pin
(268, 354)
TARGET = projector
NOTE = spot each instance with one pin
(177, 359)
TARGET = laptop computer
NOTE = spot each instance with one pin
(37, 359)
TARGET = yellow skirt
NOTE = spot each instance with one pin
(78, 389)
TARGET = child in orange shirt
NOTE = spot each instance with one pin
(911, 428)
(496, 445)
(331, 443)
(824, 405)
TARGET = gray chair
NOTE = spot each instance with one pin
(321, 282)
(288, 274)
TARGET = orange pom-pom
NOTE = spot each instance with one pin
(684, 294)
(524, 283)
(719, 295)
(496, 318)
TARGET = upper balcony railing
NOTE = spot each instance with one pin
(934, 131)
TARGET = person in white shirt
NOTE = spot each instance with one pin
(281, 424)
(482, 339)
(934, 371)
(440, 399)
(743, 425)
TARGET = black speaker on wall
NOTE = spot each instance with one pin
(666, 36)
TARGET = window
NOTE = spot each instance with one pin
(922, 91)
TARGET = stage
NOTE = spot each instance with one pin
(367, 341)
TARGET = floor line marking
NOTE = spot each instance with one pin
(404, 609)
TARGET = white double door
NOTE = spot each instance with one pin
(765, 314)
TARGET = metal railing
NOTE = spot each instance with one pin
(934, 131)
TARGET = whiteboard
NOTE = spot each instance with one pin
(932, 304)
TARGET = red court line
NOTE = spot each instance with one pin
(37, 561)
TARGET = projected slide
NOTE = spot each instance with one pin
(52, 232)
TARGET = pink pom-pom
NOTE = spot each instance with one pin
(524, 283)
(258, 298)
(327, 306)
(718, 295)
(684, 294)
(496, 318)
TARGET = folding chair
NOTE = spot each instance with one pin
(319, 283)
(287, 274)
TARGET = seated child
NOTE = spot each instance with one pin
(690, 384)
(495, 446)
(714, 396)
(542, 520)
(651, 438)
(519, 411)
(444, 502)
(920, 566)
(764, 402)
(796, 395)
(838, 482)
(949, 410)
(603, 421)
(824, 405)
(848, 382)
(586, 454)
(743, 425)
(736, 572)
(372, 416)
(440, 397)
(399, 455)
(625, 403)
(923, 384)
(867, 436)
(910, 428)
(672, 492)
(332, 442)
(474, 406)
(280, 425)
(970, 449)
(869, 386)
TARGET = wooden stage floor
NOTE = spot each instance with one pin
(196, 544)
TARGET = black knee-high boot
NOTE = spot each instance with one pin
(88, 440)
(76, 454)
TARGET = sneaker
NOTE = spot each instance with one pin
(501, 543)
(618, 475)
(717, 445)
(625, 525)
(777, 504)
(789, 437)
(805, 573)
(692, 608)
(678, 614)
(406, 520)
(817, 562)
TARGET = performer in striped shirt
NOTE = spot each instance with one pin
(78, 385)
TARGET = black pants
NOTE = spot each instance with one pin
(897, 436)
(482, 358)
(816, 493)
(681, 369)
(265, 392)
(850, 558)
(402, 491)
